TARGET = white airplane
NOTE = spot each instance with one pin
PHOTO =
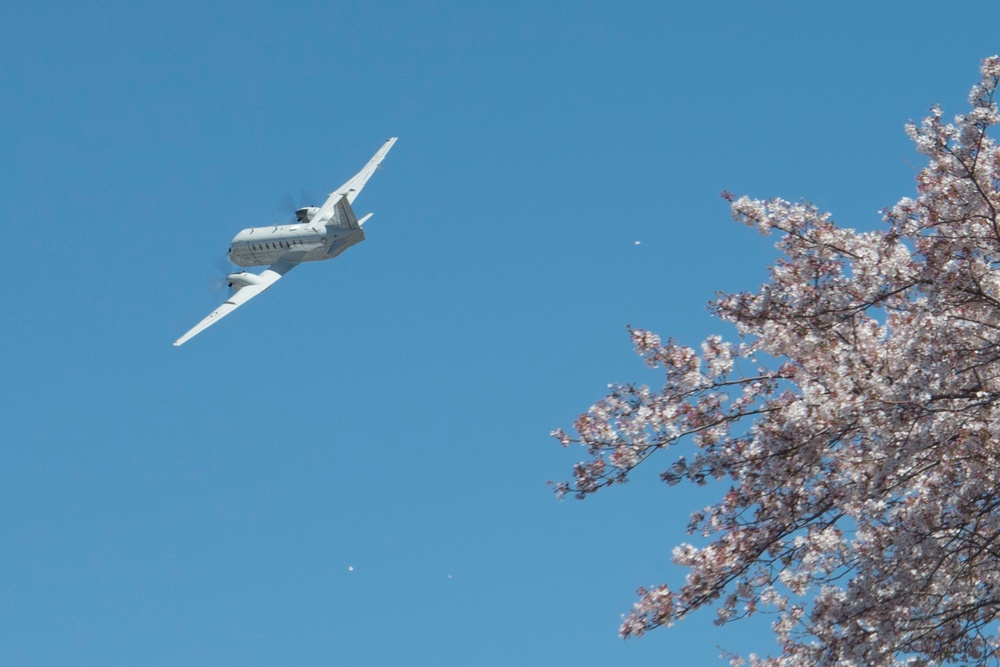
(318, 233)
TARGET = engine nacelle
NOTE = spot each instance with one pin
(306, 213)
(243, 279)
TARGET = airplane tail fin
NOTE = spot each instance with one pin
(345, 220)
(343, 216)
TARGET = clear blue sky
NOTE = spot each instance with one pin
(352, 468)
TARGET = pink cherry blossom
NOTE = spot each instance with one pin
(853, 430)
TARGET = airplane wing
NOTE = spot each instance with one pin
(255, 284)
(352, 188)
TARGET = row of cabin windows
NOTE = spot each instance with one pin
(276, 245)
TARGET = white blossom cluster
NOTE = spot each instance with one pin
(863, 465)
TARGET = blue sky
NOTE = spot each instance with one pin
(352, 468)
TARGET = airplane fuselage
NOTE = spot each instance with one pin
(318, 233)
(259, 246)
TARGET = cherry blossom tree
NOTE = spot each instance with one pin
(855, 425)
